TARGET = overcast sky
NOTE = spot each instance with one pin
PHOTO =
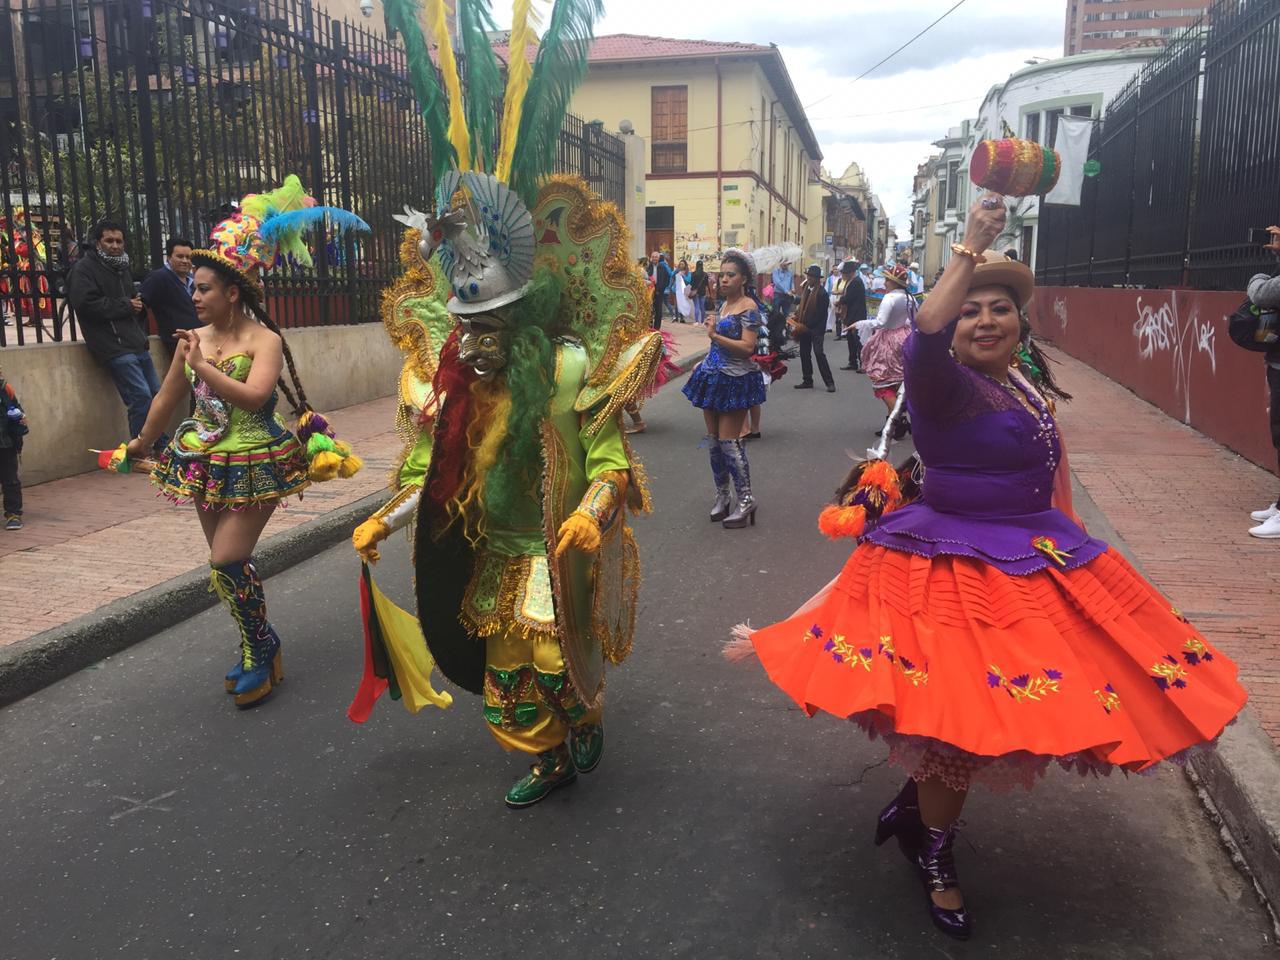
(886, 122)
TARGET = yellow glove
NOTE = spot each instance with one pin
(578, 531)
(367, 536)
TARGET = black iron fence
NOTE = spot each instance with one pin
(156, 113)
(1189, 153)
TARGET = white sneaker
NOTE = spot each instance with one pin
(1268, 529)
(1263, 515)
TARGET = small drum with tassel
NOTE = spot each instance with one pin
(1014, 167)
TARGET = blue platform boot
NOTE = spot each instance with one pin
(260, 670)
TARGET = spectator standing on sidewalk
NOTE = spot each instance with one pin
(810, 325)
(698, 282)
(851, 307)
(167, 293)
(1262, 335)
(109, 312)
(660, 278)
(13, 428)
(784, 282)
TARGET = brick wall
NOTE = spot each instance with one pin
(1171, 348)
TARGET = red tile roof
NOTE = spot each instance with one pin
(634, 46)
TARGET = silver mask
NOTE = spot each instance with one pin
(483, 346)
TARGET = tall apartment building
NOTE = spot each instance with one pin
(1109, 24)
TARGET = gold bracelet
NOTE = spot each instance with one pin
(962, 250)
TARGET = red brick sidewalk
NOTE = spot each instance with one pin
(1181, 502)
(94, 538)
(97, 537)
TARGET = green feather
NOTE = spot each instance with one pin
(483, 79)
(559, 68)
(402, 16)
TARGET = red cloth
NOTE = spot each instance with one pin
(371, 685)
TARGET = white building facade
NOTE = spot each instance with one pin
(1030, 104)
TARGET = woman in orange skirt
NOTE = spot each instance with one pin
(980, 630)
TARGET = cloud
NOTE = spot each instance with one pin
(962, 36)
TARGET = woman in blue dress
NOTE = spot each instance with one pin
(727, 384)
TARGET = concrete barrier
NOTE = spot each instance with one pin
(1171, 348)
(72, 402)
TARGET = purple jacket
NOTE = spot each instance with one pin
(989, 470)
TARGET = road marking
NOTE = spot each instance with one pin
(140, 805)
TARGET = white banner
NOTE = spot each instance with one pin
(1072, 144)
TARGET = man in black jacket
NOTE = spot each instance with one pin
(660, 277)
(851, 306)
(167, 293)
(109, 314)
(810, 323)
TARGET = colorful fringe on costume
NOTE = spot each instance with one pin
(327, 457)
(270, 473)
(872, 489)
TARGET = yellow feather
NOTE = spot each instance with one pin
(524, 24)
(438, 23)
(486, 433)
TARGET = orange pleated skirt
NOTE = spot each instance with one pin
(975, 675)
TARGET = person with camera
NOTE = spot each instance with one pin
(1256, 326)
(111, 315)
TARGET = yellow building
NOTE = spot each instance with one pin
(730, 153)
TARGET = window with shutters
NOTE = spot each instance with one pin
(670, 112)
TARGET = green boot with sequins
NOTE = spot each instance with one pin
(553, 768)
(586, 743)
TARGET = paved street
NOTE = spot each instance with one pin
(145, 817)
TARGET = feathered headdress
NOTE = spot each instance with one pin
(767, 259)
(490, 170)
(266, 227)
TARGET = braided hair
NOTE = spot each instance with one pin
(1034, 363)
(250, 301)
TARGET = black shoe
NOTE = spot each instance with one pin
(831, 388)
(803, 386)
(752, 436)
(849, 366)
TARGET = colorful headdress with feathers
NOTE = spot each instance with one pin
(267, 227)
(490, 167)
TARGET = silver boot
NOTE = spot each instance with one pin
(719, 473)
(735, 453)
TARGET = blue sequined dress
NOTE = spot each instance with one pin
(723, 381)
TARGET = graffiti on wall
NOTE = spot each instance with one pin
(1060, 311)
(1160, 330)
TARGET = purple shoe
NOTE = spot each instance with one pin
(938, 873)
(901, 819)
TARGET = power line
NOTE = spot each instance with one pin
(864, 73)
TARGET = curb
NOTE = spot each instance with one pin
(36, 662)
(1237, 780)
